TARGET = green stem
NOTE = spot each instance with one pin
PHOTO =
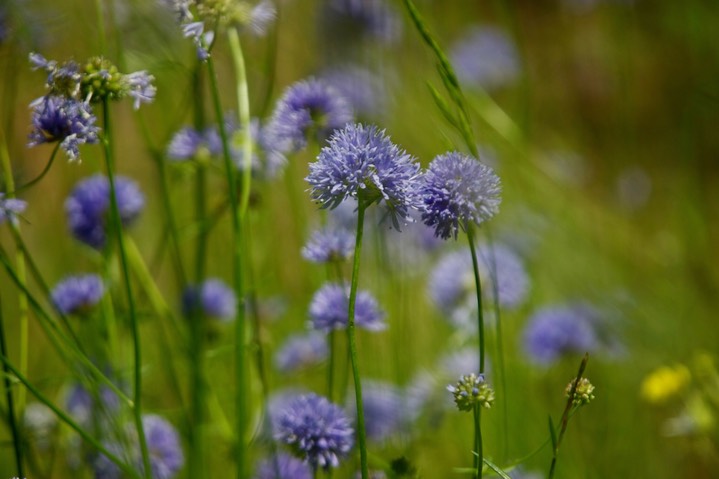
(240, 374)
(478, 287)
(16, 439)
(353, 344)
(67, 420)
(100, 25)
(331, 343)
(117, 226)
(44, 171)
(479, 458)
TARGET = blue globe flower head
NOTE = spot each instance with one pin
(64, 120)
(486, 56)
(458, 191)
(78, 294)
(316, 430)
(362, 162)
(282, 466)
(385, 410)
(555, 331)
(10, 208)
(87, 207)
(329, 309)
(362, 88)
(309, 109)
(301, 351)
(329, 245)
(215, 299)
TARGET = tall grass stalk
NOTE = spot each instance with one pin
(12, 414)
(134, 325)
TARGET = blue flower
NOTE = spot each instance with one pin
(77, 294)
(216, 300)
(486, 56)
(309, 109)
(458, 191)
(261, 17)
(360, 87)
(68, 121)
(86, 406)
(329, 245)
(329, 309)
(140, 88)
(316, 430)
(300, 351)
(362, 162)
(282, 466)
(385, 410)
(88, 205)
(10, 208)
(552, 332)
(351, 19)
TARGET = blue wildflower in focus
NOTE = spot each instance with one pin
(282, 466)
(87, 207)
(552, 332)
(10, 208)
(77, 294)
(362, 162)
(308, 110)
(330, 307)
(214, 297)
(300, 351)
(65, 120)
(316, 430)
(329, 245)
(458, 191)
(486, 56)
(385, 410)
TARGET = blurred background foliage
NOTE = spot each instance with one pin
(611, 194)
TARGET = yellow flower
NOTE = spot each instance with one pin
(664, 382)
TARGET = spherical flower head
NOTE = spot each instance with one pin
(458, 191)
(362, 162)
(316, 430)
(554, 331)
(164, 447)
(360, 87)
(65, 120)
(10, 208)
(86, 406)
(78, 294)
(583, 394)
(486, 56)
(329, 245)
(282, 466)
(352, 19)
(471, 390)
(301, 351)
(63, 79)
(329, 309)
(384, 410)
(309, 109)
(214, 298)
(500, 263)
(87, 207)
(101, 80)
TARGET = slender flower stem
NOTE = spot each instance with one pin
(478, 287)
(240, 373)
(100, 11)
(67, 420)
(117, 226)
(331, 342)
(352, 341)
(12, 418)
(43, 172)
(479, 458)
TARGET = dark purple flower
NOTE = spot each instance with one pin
(330, 308)
(316, 430)
(77, 294)
(68, 121)
(87, 207)
(458, 191)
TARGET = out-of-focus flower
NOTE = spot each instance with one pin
(664, 383)
(316, 430)
(10, 208)
(77, 294)
(486, 56)
(64, 120)
(215, 299)
(88, 205)
(360, 87)
(349, 20)
(384, 408)
(308, 110)
(40, 423)
(362, 162)
(282, 466)
(329, 245)
(329, 309)
(301, 351)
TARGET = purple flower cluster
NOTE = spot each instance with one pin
(316, 430)
(282, 466)
(301, 351)
(486, 56)
(385, 410)
(87, 207)
(64, 120)
(10, 208)
(329, 309)
(329, 245)
(77, 294)
(214, 298)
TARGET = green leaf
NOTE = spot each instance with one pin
(552, 433)
(496, 469)
(443, 106)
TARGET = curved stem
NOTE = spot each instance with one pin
(117, 226)
(16, 439)
(240, 374)
(353, 344)
(478, 287)
(44, 171)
